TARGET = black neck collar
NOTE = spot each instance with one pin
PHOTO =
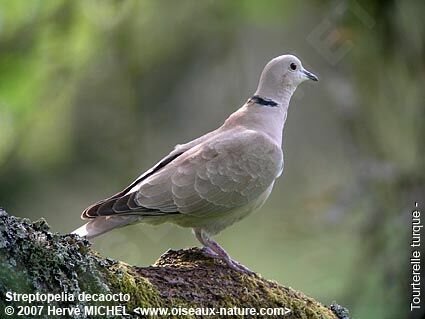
(262, 101)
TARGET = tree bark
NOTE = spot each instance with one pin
(32, 259)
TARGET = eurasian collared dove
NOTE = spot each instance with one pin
(217, 179)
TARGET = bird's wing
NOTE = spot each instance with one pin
(221, 173)
(102, 207)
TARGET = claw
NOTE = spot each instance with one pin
(214, 250)
(239, 267)
(209, 252)
(235, 265)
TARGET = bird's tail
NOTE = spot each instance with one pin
(101, 225)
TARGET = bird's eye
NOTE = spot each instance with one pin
(293, 66)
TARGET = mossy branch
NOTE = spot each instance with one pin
(32, 259)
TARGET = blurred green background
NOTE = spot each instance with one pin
(92, 93)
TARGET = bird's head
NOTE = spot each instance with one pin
(283, 73)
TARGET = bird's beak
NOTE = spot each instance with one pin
(310, 75)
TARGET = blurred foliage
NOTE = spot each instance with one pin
(92, 93)
(387, 130)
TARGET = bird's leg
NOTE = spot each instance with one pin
(205, 249)
(219, 252)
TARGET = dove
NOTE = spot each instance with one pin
(212, 182)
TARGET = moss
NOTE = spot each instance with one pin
(143, 294)
(32, 259)
(187, 276)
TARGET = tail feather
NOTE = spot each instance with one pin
(101, 225)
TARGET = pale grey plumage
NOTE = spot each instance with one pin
(217, 179)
